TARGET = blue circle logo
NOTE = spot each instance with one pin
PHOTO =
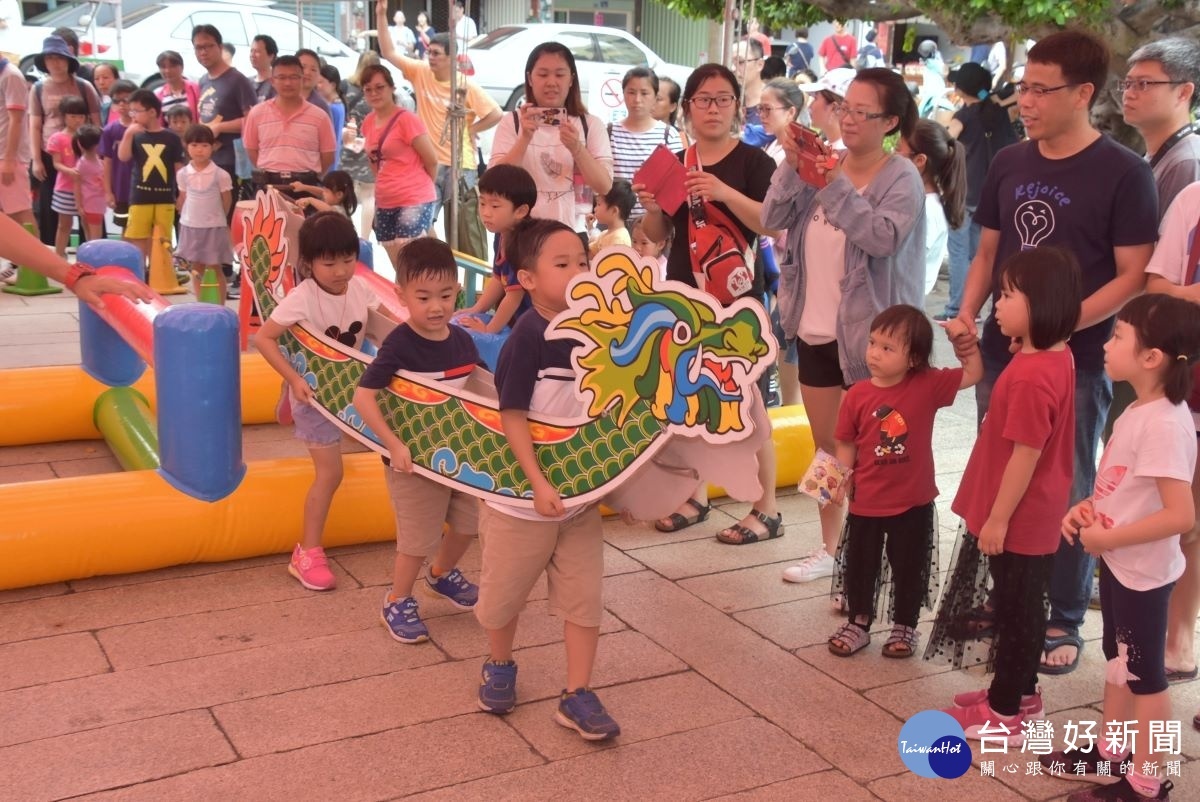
(932, 744)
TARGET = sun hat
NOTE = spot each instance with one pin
(56, 46)
(835, 80)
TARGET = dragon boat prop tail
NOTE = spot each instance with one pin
(667, 376)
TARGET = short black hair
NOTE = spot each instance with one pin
(229, 48)
(325, 234)
(511, 182)
(122, 87)
(773, 67)
(178, 110)
(621, 197)
(1172, 326)
(1082, 57)
(910, 324)
(198, 134)
(73, 104)
(1050, 280)
(304, 51)
(207, 30)
(69, 36)
(88, 136)
(287, 61)
(268, 43)
(425, 257)
(147, 100)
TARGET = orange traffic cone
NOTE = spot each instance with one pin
(162, 275)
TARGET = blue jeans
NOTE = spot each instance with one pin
(961, 243)
(1071, 581)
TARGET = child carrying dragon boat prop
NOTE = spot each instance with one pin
(668, 376)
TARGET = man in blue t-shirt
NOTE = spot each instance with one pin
(1075, 188)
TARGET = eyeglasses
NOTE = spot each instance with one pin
(120, 101)
(763, 108)
(1039, 92)
(858, 115)
(705, 101)
(1142, 84)
(738, 60)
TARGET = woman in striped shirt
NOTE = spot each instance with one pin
(636, 137)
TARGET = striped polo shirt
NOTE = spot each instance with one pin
(290, 143)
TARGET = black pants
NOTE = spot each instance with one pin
(1019, 593)
(909, 538)
(1138, 619)
(47, 218)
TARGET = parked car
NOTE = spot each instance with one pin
(602, 57)
(84, 17)
(148, 28)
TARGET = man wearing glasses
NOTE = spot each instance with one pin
(287, 138)
(431, 86)
(747, 66)
(1068, 186)
(1157, 98)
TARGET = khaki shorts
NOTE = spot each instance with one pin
(142, 218)
(421, 507)
(15, 197)
(516, 552)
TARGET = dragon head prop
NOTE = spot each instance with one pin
(673, 346)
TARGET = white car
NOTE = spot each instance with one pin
(602, 57)
(150, 28)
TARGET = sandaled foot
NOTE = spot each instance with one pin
(902, 642)
(849, 639)
(679, 520)
(740, 533)
(1062, 653)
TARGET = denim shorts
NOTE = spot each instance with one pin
(403, 222)
(312, 428)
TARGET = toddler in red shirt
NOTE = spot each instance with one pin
(1013, 493)
(885, 432)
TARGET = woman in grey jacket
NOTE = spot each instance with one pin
(853, 248)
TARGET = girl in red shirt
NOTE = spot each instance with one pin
(1013, 493)
(885, 431)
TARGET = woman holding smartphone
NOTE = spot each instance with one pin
(853, 248)
(567, 152)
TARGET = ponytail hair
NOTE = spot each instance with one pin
(946, 164)
(1172, 326)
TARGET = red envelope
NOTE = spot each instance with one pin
(663, 175)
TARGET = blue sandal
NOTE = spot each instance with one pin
(1057, 642)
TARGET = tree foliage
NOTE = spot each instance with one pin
(966, 20)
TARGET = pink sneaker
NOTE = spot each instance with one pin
(979, 721)
(1031, 705)
(311, 568)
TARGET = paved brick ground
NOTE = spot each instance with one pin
(232, 682)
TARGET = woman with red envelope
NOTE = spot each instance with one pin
(725, 181)
(855, 245)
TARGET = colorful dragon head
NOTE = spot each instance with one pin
(666, 343)
(263, 248)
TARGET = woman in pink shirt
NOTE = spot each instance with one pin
(176, 90)
(402, 157)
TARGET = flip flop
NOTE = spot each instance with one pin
(1176, 675)
(1057, 642)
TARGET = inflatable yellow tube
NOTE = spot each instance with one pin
(136, 522)
(55, 404)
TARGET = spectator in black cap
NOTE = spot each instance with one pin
(983, 127)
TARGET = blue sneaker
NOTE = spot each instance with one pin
(498, 687)
(403, 621)
(453, 587)
(583, 712)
